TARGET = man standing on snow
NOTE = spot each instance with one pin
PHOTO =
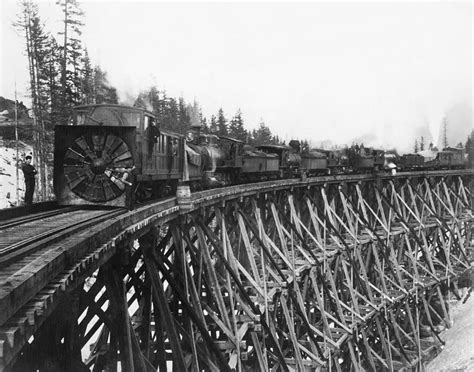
(29, 172)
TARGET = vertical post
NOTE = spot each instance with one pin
(16, 145)
(118, 311)
(471, 163)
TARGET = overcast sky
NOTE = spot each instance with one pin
(315, 70)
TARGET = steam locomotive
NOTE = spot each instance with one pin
(115, 155)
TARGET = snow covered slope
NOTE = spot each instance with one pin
(8, 182)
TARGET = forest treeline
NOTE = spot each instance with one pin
(62, 75)
(179, 116)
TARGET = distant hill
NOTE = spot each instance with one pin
(7, 120)
(7, 112)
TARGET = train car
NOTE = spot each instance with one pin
(289, 159)
(410, 162)
(448, 158)
(112, 154)
(244, 164)
(379, 159)
(337, 160)
(314, 163)
(259, 166)
(360, 159)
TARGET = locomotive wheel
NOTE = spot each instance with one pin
(97, 166)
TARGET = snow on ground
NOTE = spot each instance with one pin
(458, 353)
(8, 173)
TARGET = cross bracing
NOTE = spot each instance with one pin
(350, 275)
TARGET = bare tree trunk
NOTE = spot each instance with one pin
(64, 62)
(42, 182)
(34, 47)
(29, 50)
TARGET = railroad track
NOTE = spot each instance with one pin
(28, 234)
(12, 222)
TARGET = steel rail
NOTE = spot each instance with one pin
(32, 244)
(35, 217)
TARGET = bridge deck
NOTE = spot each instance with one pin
(33, 283)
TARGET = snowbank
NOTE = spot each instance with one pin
(8, 182)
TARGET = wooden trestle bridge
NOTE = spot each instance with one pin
(342, 273)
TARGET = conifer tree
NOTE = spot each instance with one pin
(205, 127)
(184, 121)
(87, 83)
(54, 84)
(262, 135)
(276, 140)
(71, 49)
(422, 143)
(221, 123)
(236, 127)
(170, 119)
(194, 113)
(213, 125)
(36, 50)
(154, 100)
(103, 92)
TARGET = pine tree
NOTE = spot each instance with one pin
(170, 118)
(71, 48)
(36, 49)
(276, 140)
(162, 106)
(87, 83)
(470, 149)
(154, 99)
(194, 113)
(53, 67)
(213, 125)
(236, 127)
(205, 127)
(184, 121)
(221, 124)
(103, 92)
(262, 135)
(445, 132)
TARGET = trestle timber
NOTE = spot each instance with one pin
(350, 275)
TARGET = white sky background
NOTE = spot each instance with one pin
(314, 70)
